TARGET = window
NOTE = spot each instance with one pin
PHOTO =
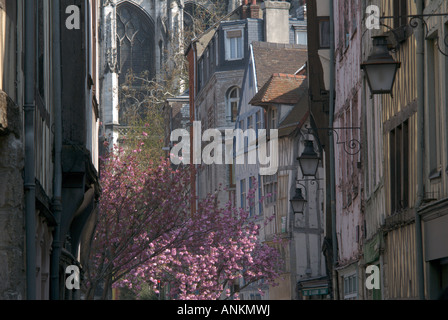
(270, 188)
(135, 37)
(136, 54)
(206, 65)
(234, 44)
(257, 122)
(40, 51)
(233, 100)
(231, 176)
(324, 32)
(200, 74)
(216, 50)
(250, 125)
(252, 200)
(273, 118)
(400, 13)
(399, 164)
(350, 287)
(212, 55)
(434, 108)
(243, 193)
(354, 10)
(240, 143)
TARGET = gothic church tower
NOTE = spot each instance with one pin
(135, 35)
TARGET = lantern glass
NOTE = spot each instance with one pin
(298, 201)
(309, 160)
(380, 67)
(381, 77)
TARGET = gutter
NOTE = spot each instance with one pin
(29, 170)
(420, 60)
(57, 179)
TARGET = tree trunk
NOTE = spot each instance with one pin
(107, 287)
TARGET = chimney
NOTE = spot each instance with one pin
(251, 10)
(244, 9)
(276, 21)
(254, 10)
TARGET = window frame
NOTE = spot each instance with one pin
(231, 116)
(399, 167)
(243, 196)
(350, 286)
(320, 21)
(240, 50)
(400, 11)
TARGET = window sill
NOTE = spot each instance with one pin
(235, 59)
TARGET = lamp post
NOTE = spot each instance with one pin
(380, 67)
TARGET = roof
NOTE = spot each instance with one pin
(295, 119)
(281, 88)
(273, 58)
(286, 89)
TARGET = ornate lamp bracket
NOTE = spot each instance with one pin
(414, 22)
(352, 146)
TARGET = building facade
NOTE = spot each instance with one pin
(348, 178)
(388, 204)
(49, 142)
(275, 97)
(223, 79)
(434, 213)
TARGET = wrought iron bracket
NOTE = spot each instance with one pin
(414, 22)
(351, 146)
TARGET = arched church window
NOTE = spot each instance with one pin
(136, 52)
(135, 37)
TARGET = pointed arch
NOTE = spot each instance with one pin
(135, 41)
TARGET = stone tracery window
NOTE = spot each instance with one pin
(136, 56)
(135, 39)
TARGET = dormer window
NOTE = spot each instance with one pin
(234, 44)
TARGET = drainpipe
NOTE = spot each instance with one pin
(57, 179)
(420, 53)
(332, 160)
(29, 170)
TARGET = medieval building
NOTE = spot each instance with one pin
(48, 145)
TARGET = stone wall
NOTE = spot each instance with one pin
(12, 229)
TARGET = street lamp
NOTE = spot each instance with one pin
(380, 67)
(309, 160)
(298, 201)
